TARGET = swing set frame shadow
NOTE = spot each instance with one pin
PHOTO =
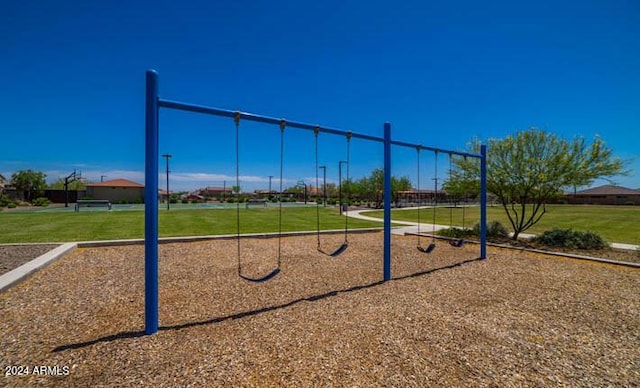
(258, 311)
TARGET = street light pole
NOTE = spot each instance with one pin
(224, 190)
(340, 163)
(167, 156)
(324, 185)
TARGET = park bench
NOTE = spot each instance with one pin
(92, 203)
(256, 201)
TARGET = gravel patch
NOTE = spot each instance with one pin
(13, 256)
(515, 319)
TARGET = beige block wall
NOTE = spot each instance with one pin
(116, 194)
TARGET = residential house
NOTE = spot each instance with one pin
(605, 195)
(116, 191)
(164, 195)
(264, 193)
(215, 192)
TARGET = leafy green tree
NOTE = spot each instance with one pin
(75, 185)
(332, 190)
(533, 167)
(460, 187)
(31, 183)
(350, 189)
(371, 187)
(400, 184)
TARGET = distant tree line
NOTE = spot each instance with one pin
(366, 189)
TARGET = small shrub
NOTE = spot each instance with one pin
(11, 205)
(173, 200)
(569, 238)
(456, 232)
(494, 229)
(184, 200)
(5, 200)
(41, 201)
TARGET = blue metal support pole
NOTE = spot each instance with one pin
(387, 202)
(151, 206)
(483, 201)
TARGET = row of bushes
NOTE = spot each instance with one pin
(495, 230)
(8, 202)
(125, 201)
(568, 238)
(559, 238)
(41, 201)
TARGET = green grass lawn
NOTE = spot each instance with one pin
(105, 225)
(613, 223)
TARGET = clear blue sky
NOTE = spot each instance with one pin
(72, 77)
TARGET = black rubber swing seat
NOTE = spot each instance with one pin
(428, 249)
(340, 250)
(268, 276)
(456, 243)
(337, 252)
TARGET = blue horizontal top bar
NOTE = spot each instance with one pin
(261, 119)
(435, 149)
(294, 124)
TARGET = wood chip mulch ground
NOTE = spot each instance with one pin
(515, 319)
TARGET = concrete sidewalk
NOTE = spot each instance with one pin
(414, 227)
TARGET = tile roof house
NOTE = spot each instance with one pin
(116, 190)
(215, 191)
(605, 195)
